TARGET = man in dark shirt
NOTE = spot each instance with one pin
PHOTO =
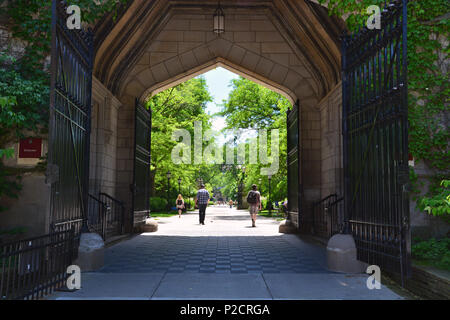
(201, 201)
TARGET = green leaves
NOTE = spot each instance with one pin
(428, 78)
(177, 108)
(7, 153)
(439, 204)
(433, 251)
(23, 102)
(252, 106)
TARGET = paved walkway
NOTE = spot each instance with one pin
(224, 259)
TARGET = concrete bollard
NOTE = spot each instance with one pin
(341, 255)
(287, 227)
(90, 252)
(150, 226)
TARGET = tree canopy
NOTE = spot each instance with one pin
(177, 108)
(252, 106)
(180, 106)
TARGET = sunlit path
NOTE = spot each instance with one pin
(220, 220)
(225, 244)
(224, 259)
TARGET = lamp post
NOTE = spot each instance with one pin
(219, 20)
(179, 185)
(168, 189)
(270, 201)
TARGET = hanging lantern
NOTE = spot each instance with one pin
(219, 20)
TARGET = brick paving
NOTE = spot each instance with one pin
(224, 259)
(226, 244)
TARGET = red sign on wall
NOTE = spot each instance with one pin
(30, 148)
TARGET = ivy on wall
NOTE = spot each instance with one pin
(30, 21)
(25, 78)
(428, 79)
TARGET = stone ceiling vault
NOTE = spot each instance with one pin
(289, 45)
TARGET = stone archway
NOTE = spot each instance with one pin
(216, 63)
(292, 47)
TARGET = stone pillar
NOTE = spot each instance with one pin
(125, 157)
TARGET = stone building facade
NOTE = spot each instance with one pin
(291, 47)
(269, 42)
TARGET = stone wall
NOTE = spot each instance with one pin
(427, 283)
(253, 46)
(8, 44)
(331, 143)
(104, 138)
(125, 154)
(30, 210)
(321, 161)
(423, 225)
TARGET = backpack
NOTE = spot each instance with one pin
(252, 197)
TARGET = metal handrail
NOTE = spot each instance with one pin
(336, 201)
(324, 199)
(113, 212)
(101, 226)
(112, 198)
(336, 220)
(320, 220)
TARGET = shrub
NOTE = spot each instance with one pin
(432, 251)
(264, 204)
(158, 204)
(438, 205)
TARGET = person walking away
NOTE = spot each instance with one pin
(254, 201)
(201, 200)
(230, 203)
(180, 205)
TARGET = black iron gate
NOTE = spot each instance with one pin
(375, 132)
(70, 113)
(142, 149)
(293, 162)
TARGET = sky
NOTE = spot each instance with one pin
(218, 81)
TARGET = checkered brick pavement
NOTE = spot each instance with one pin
(181, 246)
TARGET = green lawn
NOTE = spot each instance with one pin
(432, 252)
(275, 214)
(165, 214)
(264, 213)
